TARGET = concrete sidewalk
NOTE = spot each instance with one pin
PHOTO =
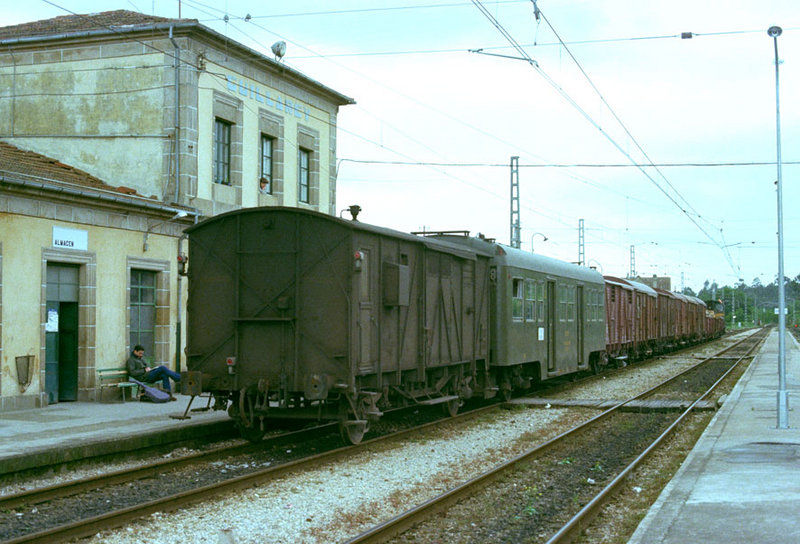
(741, 482)
(75, 430)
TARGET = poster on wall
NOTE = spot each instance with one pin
(52, 321)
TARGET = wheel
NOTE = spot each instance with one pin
(352, 432)
(451, 407)
(506, 393)
(252, 433)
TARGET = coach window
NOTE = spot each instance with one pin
(540, 300)
(530, 300)
(571, 303)
(562, 303)
(517, 298)
(596, 304)
(222, 152)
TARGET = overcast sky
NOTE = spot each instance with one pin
(605, 84)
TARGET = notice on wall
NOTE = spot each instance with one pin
(70, 238)
(52, 321)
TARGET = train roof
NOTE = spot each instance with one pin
(525, 259)
(639, 286)
(510, 256)
(436, 243)
(630, 284)
(618, 281)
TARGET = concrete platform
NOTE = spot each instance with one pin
(70, 431)
(741, 482)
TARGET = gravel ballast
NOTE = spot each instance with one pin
(343, 498)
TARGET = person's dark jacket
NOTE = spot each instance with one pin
(136, 367)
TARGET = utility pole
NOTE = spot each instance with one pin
(581, 241)
(632, 273)
(745, 308)
(515, 226)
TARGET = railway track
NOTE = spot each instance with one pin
(551, 492)
(105, 492)
(83, 507)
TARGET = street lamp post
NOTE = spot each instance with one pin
(544, 238)
(783, 398)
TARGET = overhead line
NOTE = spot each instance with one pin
(573, 165)
(583, 112)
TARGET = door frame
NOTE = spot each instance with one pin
(87, 317)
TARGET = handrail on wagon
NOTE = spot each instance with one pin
(464, 233)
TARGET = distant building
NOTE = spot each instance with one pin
(99, 177)
(171, 109)
(657, 282)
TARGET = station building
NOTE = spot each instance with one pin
(118, 130)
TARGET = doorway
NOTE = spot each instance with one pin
(61, 333)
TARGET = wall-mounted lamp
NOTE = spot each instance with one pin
(178, 215)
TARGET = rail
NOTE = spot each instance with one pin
(403, 522)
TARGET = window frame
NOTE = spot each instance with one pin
(530, 300)
(517, 299)
(223, 130)
(304, 175)
(267, 162)
(138, 303)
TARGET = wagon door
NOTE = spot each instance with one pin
(365, 321)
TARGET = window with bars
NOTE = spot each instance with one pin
(222, 151)
(303, 170)
(143, 309)
(267, 147)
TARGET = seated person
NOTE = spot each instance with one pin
(138, 370)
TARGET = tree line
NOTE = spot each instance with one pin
(753, 304)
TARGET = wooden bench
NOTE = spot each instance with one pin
(116, 377)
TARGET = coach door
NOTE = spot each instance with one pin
(61, 333)
(579, 323)
(551, 326)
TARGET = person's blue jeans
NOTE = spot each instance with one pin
(164, 374)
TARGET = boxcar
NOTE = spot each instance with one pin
(619, 317)
(632, 319)
(293, 313)
(645, 319)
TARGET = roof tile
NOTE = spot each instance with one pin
(14, 160)
(68, 24)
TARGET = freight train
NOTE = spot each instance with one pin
(294, 314)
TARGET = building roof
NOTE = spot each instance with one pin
(14, 160)
(19, 167)
(70, 24)
(120, 23)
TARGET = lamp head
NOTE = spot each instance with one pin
(279, 49)
(774, 31)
